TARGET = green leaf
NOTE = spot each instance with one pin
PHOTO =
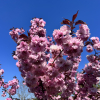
(59, 93)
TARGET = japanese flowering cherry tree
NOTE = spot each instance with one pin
(47, 74)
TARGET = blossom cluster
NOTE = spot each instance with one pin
(13, 83)
(53, 77)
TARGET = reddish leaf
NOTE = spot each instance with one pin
(12, 28)
(73, 35)
(65, 21)
(28, 33)
(29, 39)
(79, 22)
(87, 43)
(74, 16)
(30, 26)
(13, 53)
(28, 42)
(34, 18)
(23, 36)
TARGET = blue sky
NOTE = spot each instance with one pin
(18, 13)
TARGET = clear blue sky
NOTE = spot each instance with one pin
(18, 13)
